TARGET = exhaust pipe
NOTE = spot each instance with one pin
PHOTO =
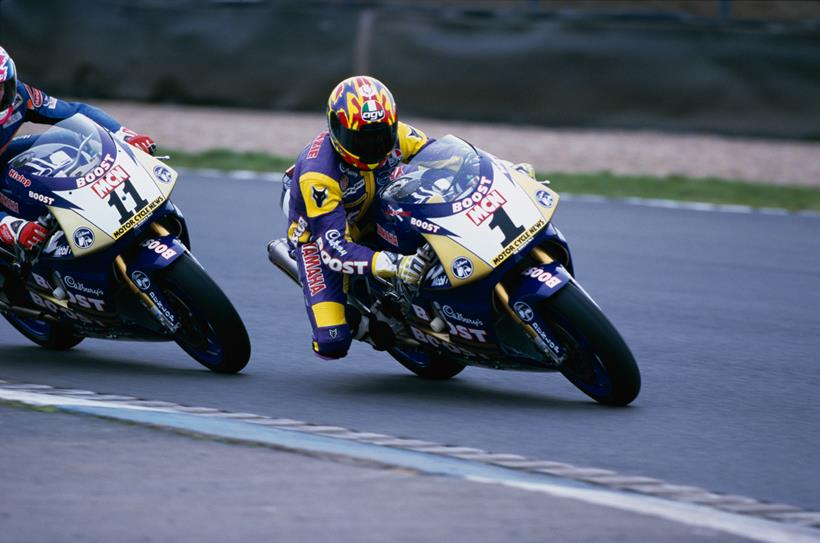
(279, 256)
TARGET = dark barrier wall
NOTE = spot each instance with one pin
(506, 66)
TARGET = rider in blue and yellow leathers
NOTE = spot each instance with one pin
(20, 103)
(331, 200)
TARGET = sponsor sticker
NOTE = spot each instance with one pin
(485, 207)
(545, 198)
(389, 237)
(471, 334)
(20, 178)
(312, 262)
(36, 96)
(543, 276)
(424, 225)
(349, 267)
(9, 204)
(159, 248)
(518, 242)
(40, 198)
(17, 116)
(163, 174)
(438, 343)
(481, 190)
(108, 184)
(83, 237)
(62, 250)
(138, 217)
(451, 313)
(164, 310)
(82, 301)
(462, 267)
(298, 229)
(72, 283)
(524, 311)
(349, 190)
(421, 312)
(332, 237)
(367, 90)
(372, 111)
(316, 145)
(96, 173)
(141, 280)
(391, 212)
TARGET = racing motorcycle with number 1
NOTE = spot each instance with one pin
(499, 291)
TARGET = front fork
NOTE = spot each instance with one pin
(153, 255)
(521, 302)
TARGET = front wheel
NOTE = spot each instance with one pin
(211, 330)
(599, 362)
(426, 366)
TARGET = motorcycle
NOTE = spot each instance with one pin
(116, 262)
(499, 291)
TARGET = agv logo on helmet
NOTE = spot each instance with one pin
(372, 111)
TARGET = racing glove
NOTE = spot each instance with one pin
(142, 142)
(408, 268)
(26, 234)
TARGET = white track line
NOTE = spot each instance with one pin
(469, 464)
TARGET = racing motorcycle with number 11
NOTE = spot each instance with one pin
(116, 262)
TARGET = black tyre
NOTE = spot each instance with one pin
(43, 333)
(427, 366)
(599, 361)
(211, 331)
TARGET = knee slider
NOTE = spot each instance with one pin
(332, 341)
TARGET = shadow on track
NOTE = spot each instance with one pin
(455, 392)
(85, 361)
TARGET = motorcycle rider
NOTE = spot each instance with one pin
(329, 194)
(19, 103)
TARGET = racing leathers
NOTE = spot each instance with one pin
(33, 105)
(330, 210)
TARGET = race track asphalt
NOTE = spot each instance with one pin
(720, 310)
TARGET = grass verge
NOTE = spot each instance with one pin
(221, 159)
(717, 191)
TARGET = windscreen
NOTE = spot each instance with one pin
(71, 148)
(444, 171)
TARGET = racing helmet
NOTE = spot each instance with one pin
(8, 85)
(362, 121)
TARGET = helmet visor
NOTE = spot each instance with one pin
(8, 91)
(371, 144)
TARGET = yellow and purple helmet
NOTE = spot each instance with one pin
(8, 85)
(363, 122)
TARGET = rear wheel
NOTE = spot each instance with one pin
(427, 366)
(45, 334)
(599, 362)
(211, 330)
